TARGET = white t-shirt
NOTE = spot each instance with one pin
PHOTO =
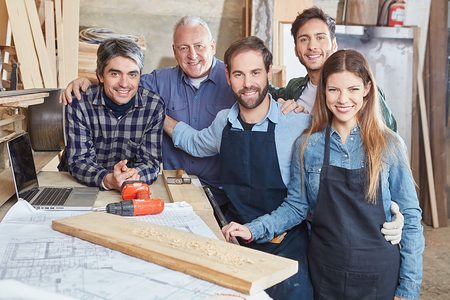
(197, 81)
(308, 97)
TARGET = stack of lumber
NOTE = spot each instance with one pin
(90, 38)
(44, 61)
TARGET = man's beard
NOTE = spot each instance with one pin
(261, 95)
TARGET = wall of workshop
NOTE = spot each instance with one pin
(155, 19)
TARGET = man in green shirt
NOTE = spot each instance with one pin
(315, 40)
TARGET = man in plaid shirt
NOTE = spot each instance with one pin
(114, 133)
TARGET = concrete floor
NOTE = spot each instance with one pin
(436, 260)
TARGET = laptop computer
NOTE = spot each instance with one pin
(47, 198)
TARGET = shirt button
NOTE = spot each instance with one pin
(345, 155)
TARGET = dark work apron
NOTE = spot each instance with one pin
(251, 178)
(348, 256)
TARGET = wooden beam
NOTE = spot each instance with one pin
(3, 23)
(44, 61)
(436, 87)
(71, 23)
(50, 39)
(23, 40)
(239, 268)
(62, 82)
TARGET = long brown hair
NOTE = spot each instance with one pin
(372, 128)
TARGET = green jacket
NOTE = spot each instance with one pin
(295, 88)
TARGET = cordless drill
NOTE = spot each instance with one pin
(136, 201)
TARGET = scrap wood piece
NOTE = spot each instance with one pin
(239, 268)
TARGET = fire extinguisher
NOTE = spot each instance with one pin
(396, 14)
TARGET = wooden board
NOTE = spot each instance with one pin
(23, 40)
(239, 268)
(181, 192)
(3, 23)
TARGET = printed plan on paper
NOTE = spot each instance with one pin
(37, 262)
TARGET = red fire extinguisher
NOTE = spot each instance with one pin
(396, 14)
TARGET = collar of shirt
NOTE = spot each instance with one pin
(273, 115)
(212, 75)
(334, 134)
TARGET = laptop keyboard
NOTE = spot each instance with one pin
(52, 196)
(28, 195)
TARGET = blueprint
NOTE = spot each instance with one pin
(33, 254)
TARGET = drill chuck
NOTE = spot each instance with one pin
(122, 208)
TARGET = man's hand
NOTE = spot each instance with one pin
(393, 230)
(290, 105)
(75, 86)
(236, 230)
(121, 173)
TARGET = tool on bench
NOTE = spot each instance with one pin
(136, 207)
(179, 178)
(220, 217)
(136, 201)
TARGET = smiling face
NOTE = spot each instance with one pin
(120, 79)
(194, 50)
(248, 78)
(345, 94)
(314, 44)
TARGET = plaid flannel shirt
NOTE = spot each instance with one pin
(97, 140)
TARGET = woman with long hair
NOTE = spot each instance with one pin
(348, 169)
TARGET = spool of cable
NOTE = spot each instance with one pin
(45, 123)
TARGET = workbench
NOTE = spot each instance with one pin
(193, 194)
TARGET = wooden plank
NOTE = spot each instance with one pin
(44, 61)
(436, 85)
(11, 119)
(3, 23)
(181, 192)
(23, 40)
(23, 97)
(71, 22)
(422, 9)
(50, 39)
(60, 45)
(24, 103)
(239, 268)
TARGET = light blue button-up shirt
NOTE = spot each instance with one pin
(207, 141)
(196, 107)
(397, 184)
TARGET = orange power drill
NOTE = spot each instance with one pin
(136, 201)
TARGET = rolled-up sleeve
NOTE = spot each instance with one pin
(403, 191)
(203, 143)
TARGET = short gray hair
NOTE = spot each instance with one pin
(114, 47)
(192, 21)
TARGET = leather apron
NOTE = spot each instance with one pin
(348, 255)
(251, 178)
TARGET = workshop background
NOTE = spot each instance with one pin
(421, 103)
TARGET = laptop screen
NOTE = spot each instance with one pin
(22, 163)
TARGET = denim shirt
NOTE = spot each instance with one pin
(207, 142)
(397, 184)
(196, 107)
